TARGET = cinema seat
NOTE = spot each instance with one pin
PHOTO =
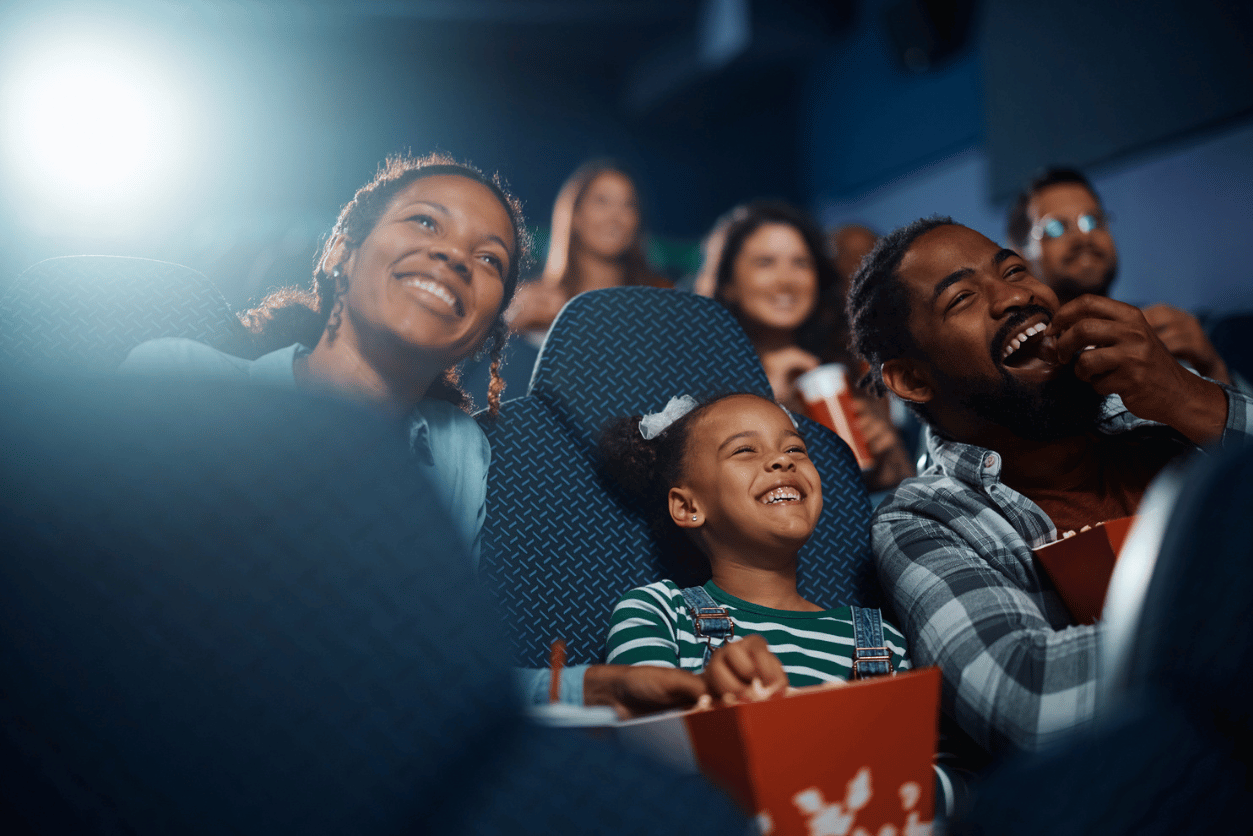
(86, 312)
(559, 545)
(237, 610)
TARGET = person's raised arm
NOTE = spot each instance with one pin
(1115, 349)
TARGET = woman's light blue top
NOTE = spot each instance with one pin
(447, 444)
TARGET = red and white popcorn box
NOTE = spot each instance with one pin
(852, 760)
(1081, 564)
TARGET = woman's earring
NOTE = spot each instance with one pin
(337, 313)
(693, 518)
(337, 310)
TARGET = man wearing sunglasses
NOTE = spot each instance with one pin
(1060, 227)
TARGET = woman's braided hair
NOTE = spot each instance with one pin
(293, 314)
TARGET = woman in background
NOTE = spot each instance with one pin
(771, 272)
(597, 242)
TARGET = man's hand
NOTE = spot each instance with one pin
(1115, 349)
(1185, 339)
(635, 690)
(735, 666)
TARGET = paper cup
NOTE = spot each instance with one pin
(829, 401)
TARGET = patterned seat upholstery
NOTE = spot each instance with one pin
(559, 546)
(233, 609)
(89, 311)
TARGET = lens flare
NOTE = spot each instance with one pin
(91, 133)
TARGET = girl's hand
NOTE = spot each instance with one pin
(744, 670)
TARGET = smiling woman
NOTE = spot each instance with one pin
(769, 274)
(413, 278)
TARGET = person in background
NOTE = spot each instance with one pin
(705, 280)
(1059, 225)
(892, 438)
(413, 278)
(768, 276)
(1028, 441)
(597, 241)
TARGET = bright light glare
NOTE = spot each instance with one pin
(91, 135)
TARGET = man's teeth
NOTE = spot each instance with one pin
(781, 495)
(435, 289)
(1016, 343)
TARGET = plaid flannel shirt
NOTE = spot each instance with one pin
(953, 548)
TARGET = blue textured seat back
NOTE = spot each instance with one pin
(88, 311)
(559, 545)
(618, 351)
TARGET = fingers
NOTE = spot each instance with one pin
(634, 691)
(1088, 333)
(1092, 307)
(1185, 338)
(879, 434)
(1160, 316)
(745, 669)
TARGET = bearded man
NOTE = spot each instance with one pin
(1043, 418)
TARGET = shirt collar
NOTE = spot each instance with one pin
(977, 465)
(278, 368)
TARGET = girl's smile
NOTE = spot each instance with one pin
(748, 479)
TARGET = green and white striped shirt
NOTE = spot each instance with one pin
(652, 625)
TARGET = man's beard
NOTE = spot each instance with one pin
(1067, 287)
(1062, 407)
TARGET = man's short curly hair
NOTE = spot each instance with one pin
(1018, 224)
(878, 301)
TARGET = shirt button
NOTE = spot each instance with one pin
(990, 461)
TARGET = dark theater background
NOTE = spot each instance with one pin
(223, 134)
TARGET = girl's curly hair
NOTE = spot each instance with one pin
(644, 470)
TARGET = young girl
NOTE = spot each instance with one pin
(733, 474)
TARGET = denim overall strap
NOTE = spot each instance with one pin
(871, 656)
(710, 620)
